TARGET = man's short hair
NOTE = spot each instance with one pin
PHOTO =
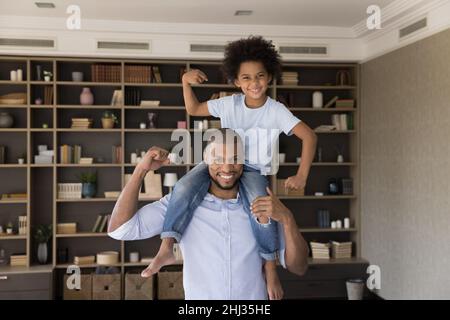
(224, 136)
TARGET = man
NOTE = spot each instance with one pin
(221, 258)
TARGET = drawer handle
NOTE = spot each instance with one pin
(3, 277)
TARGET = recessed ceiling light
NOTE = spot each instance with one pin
(44, 5)
(243, 12)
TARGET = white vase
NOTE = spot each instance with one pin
(42, 253)
(317, 99)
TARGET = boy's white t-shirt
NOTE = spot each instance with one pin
(259, 128)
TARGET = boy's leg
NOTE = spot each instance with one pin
(187, 195)
(253, 185)
(274, 288)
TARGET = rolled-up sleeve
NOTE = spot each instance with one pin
(146, 223)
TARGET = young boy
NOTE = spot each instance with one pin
(251, 64)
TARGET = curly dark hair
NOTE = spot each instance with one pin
(253, 48)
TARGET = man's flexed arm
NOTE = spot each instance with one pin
(126, 205)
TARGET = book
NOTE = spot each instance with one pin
(103, 223)
(157, 74)
(331, 102)
(97, 223)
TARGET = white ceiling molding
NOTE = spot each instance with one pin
(390, 11)
(387, 40)
(172, 40)
(417, 9)
(115, 27)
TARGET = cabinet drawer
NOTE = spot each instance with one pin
(25, 282)
(26, 295)
(314, 289)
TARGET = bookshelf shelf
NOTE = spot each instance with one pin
(320, 164)
(157, 85)
(83, 235)
(91, 130)
(325, 197)
(335, 131)
(84, 107)
(13, 237)
(88, 84)
(82, 266)
(24, 201)
(311, 109)
(327, 230)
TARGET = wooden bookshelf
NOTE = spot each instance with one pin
(43, 206)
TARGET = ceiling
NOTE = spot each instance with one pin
(332, 13)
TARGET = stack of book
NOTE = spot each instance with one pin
(150, 103)
(214, 124)
(156, 75)
(14, 196)
(138, 73)
(341, 250)
(132, 96)
(69, 190)
(116, 154)
(23, 225)
(48, 95)
(105, 73)
(342, 121)
(101, 224)
(320, 250)
(81, 123)
(86, 161)
(18, 260)
(289, 78)
(345, 103)
(69, 154)
(84, 260)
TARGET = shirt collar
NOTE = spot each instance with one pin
(212, 198)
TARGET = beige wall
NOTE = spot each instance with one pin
(405, 163)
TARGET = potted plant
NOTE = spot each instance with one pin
(89, 184)
(48, 76)
(9, 228)
(109, 119)
(42, 235)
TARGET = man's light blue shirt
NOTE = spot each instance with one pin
(221, 258)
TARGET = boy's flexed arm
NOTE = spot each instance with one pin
(193, 106)
(309, 141)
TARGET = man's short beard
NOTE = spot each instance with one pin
(213, 179)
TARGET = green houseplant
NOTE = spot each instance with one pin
(42, 235)
(109, 119)
(89, 184)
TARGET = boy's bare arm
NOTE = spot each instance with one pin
(126, 205)
(309, 142)
(193, 106)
